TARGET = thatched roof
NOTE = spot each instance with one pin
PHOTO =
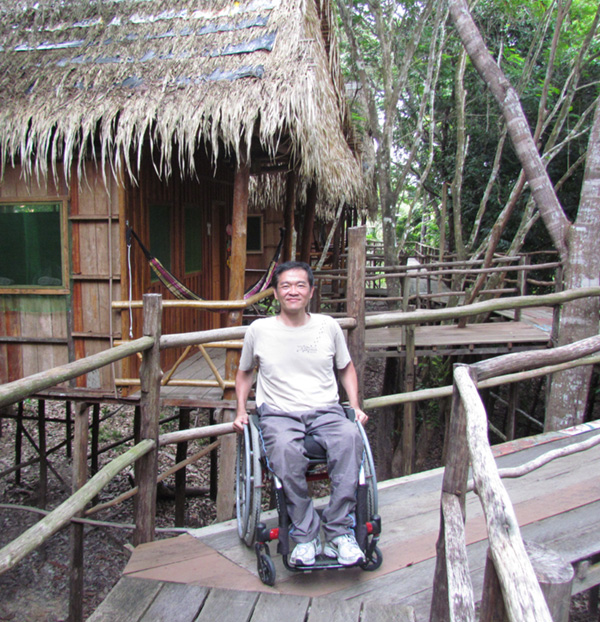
(103, 77)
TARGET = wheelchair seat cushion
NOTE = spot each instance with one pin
(313, 449)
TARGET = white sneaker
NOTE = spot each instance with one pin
(345, 548)
(304, 553)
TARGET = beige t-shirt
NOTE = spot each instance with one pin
(295, 364)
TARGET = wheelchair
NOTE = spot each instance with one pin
(252, 474)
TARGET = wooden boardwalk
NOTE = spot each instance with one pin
(533, 329)
(557, 505)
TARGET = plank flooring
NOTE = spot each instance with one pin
(557, 506)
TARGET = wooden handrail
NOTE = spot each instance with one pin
(20, 389)
(424, 316)
(38, 533)
(226, 305)
(523, 597)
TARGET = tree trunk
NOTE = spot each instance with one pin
(569, 389)
(578, 244)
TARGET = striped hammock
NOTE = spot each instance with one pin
(179, 290)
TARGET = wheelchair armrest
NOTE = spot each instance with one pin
(350, 412)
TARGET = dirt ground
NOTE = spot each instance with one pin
(37, 589)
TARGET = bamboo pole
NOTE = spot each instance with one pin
(215, 305)
(226, 491)
(522, 361)
(20, 389)
(441, 392)
(28, 541)
(174, 469)
(424, 316)
(454, 483)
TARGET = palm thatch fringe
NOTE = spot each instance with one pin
(103, 79)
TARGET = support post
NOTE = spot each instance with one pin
(68, 426)
(409, 420)
(513, 400)
(147, 466)
(19, 442)
(43, 483)
(308, 222)
(180, 476)
(454, 482)
(95, 437)
(553, 573)
(80, 435)
(226, 493)
(357, 262)
(290, 208)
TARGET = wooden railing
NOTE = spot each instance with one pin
(144, 454)
(513, 589)
(427, 282)
(228, 343)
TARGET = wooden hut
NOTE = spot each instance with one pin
(154, 115)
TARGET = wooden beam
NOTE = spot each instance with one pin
(308, 223)
(288, 216)
(357, 260)
(226, 494)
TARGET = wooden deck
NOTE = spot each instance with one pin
(534, 329)
(556, 505)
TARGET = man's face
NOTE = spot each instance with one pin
(293, 290)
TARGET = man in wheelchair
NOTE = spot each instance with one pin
(297, 353)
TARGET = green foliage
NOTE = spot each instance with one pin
(519, 35)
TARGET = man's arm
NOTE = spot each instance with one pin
(349, 381)
(243, 385)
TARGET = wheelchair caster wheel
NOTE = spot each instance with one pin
(266, 568)
(375, 560)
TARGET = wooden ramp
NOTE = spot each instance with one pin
(557, 505)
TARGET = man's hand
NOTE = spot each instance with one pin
(361, 416)
(240, 421)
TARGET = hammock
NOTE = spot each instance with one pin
(179, 290)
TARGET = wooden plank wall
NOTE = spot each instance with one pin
(96, 269)
(31, 316)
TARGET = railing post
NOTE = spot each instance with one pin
(147, 467)
(554, 574)
(80, 451)
(454, 482)
(357, 267)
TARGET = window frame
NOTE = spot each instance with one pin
(256, 249)
(166, 205)
(51, 290)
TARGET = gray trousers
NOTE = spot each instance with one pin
(283, 437)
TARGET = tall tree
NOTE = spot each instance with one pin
(578, 242)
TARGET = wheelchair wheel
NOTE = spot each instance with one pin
(248, 483)
(371, 478)
(266, 568)
(375, 561)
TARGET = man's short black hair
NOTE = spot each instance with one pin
(293, 265)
